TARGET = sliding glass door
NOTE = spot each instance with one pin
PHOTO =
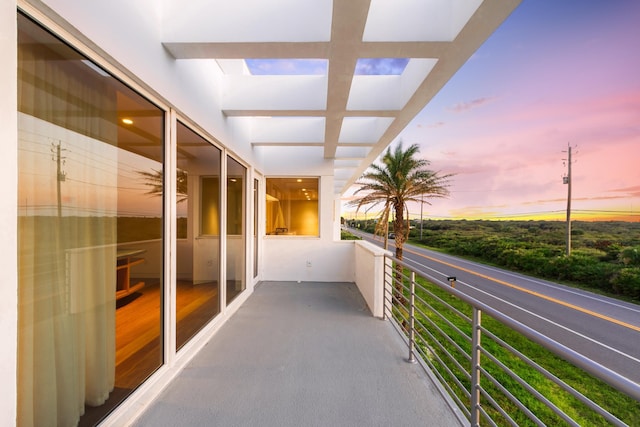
(236, 229)
(198, 224)
(92, 189)
(90, 235)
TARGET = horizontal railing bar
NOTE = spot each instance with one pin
(566, 387)
(495, 405)
(449, 306)
(449, 340)
(399, 314)
(447, 321)
(530, 389)
(461, 334)
(607, 375)
(451, 324)
(487, 417)
(423, 361)
(452, 359)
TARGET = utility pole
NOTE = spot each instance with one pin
(567, 180)
(421, 203)
(56, 149)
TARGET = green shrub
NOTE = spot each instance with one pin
(627, 282)
(630, 256)
(602, 258)
(345, 235)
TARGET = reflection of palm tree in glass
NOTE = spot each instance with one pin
(154, 180)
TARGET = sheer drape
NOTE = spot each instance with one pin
(66, 294)
(67, 236)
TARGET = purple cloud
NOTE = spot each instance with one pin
(466, 106)
(381, 66)
(287, 67)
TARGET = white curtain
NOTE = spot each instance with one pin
(67, 191)
(91, 279)
(67, 278)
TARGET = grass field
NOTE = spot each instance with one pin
(439, 313)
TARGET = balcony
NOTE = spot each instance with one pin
(305, 353)
(312, 353)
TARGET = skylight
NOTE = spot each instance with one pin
(287, 67)
(307, 67)
(381, 66)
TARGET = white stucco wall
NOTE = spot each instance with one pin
(369, 268)
(174, 82)
(8, 212)
(288, 257)
(308, 259)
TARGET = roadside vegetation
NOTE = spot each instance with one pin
(605, 256)
(438, 311)
(345, 235)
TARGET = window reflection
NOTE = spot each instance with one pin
(90, 235)
(198, 245)
(236, 176)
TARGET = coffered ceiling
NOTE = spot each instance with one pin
(349, 117)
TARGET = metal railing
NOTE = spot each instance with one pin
(476, 363)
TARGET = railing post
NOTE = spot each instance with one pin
(412, 317)
(476, 335)
(384, 288)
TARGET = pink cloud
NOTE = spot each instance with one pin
(436, 125)
(466, 106)
(631, 191)
(508, 159)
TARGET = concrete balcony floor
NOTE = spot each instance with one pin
(302, 354)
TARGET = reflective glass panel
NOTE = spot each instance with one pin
(236, 239)
(198, 244)
(292, 206)
(90, 235)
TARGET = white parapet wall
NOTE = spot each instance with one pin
(307, 260)
(369, 267)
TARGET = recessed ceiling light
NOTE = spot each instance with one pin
(127, 121)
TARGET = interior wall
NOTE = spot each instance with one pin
(184, 263)
(305, 219)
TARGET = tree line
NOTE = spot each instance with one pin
(605, 255)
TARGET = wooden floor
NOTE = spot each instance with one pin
(138, 334)
(138, 322)
(196, 305)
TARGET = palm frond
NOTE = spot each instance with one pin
(401, 177)
(155, 182)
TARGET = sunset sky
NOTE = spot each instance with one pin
(555, 73)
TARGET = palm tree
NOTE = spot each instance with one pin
(401, 178)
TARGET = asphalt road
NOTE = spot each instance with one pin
(603, 329)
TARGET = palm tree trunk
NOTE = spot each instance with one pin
(398, 228)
